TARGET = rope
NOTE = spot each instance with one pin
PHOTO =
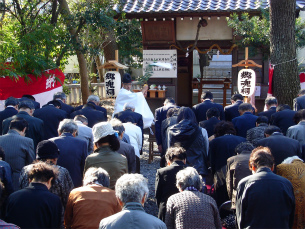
(273, 65)
(205, 52)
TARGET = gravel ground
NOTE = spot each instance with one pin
(149, 171)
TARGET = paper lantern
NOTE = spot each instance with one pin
(246, 82)
(112, 83)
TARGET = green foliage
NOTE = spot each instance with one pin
(148, 73)
(129, 38)
(255, 31)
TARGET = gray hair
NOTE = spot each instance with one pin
(245, 107)
(131, 188)
(271, 101)
(67, 125)
(59, 95)
(96, 176)
(93, 98)
(117, 125)
(129, 106)
(188, 177)
(289, 160)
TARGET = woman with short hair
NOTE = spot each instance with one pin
(191, 208)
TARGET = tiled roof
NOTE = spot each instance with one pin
(195, 6)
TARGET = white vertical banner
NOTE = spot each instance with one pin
(246, 82)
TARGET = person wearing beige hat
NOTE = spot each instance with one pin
(106, 156)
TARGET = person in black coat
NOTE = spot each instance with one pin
(11, 108)
(201, 109)
(62, 98)
(280, 146)
(264, 199)
(160, 115)
(271, 104)
(31, 98)
(51, 115)
(283, 118)
(165, 184)
(95, 101)
(73, 151)
(221, 148)
(35, 206)
(212, 120)
(94, 116)
(231, 111)
(129, 112)
(35, 129)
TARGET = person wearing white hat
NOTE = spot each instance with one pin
(106, 156)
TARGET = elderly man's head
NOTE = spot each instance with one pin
(27, 106)
(94, 98)
(97, 176)
(129, 106)
(188, 179)
(67, 126)
(261, 157)
(131, 188)
(117, 125)
(244, 107)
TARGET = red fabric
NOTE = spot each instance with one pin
(42, 84)
(271, 69)
(302, 77)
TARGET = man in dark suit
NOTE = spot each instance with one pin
(125, 149)
(280, 146)
(11, 108)
(94, 116)
(264, 199)
(201, 109)
(283, 118)
(31, 98)
(35, 129)
(160, 115)
(271, 104)
(94, 100)
(231, 111)
(165, 184)
(212, 120)
(245, 121)
(257, 133)
(129, 112)
(61, 97)
(51, 115)
(19, 150)
(299, 102)
(73, 151)
(35, 206)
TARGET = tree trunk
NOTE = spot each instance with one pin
(78, 48)
(99, 64)
(286, 82)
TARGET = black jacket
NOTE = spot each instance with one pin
(201, 109)
(99, 108)
(93, 116)
(265, 200)
(34, 207)
(6, 113)
(209, 125)
(165, 185)
(268, 113)
(190, 137)
(51, 116)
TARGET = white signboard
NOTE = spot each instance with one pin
(112, 83)
(163, 62)
(246, 82)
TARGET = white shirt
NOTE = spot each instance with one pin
(135, 134)
(140, 103)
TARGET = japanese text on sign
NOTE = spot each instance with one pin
(246, 82)
(164, 63)
(109, 83)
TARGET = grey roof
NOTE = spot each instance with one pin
(195, 6)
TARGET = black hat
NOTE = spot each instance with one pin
(126, 78)
(47, 150)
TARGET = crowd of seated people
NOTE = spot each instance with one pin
(66, 167)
